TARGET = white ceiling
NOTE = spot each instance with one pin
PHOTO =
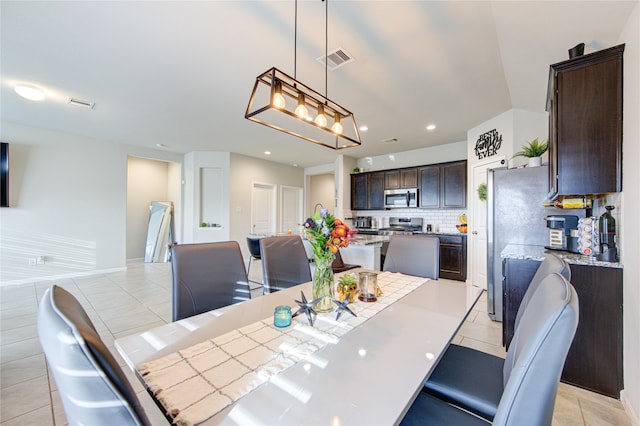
(180, 73)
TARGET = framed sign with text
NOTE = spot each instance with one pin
(488, 144)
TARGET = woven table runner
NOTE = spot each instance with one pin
(195, 383)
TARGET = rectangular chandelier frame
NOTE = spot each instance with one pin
(262, 109)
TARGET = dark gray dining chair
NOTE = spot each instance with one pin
(92, 386)
(416, 255)
(338, 264)
(207, 276)
(284, 263)
(253, 243)
(474, 379)
(531, 372)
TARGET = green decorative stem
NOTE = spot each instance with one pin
(323, 283)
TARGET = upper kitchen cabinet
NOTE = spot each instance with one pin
(401, 178)
(584, 101)
(367, 191)
(443, 185)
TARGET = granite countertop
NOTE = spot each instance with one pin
(527, 252)
(366, 240)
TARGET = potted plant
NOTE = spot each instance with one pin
(533, 151)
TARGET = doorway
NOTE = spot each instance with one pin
(147, 181)
(479, 224)
(291, 202)
(263, 208)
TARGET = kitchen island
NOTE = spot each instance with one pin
(366, 251)
(594, 361)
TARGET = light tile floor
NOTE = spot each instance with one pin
(138, 299)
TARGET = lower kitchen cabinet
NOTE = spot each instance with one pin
(594, 361)
(453, 257)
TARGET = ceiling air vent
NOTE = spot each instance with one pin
(81, 103)
(336, 59)
(390, 140)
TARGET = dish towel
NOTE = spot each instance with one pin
(195, 383)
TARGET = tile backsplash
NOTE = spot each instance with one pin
(443, 220)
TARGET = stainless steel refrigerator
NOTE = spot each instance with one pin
(515, 215)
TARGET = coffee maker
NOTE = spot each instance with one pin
(608, 250)
(563, 231)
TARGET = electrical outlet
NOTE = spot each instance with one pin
(32, 261)
(40, 260)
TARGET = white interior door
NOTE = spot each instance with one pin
(291, 201)
(478, 225)
(263, 208)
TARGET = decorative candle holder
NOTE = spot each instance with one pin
(282, 316)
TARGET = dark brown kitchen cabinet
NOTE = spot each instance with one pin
(429, 189)
(367, 191)
(443, 185)
(376, 191)
(594, 361)
(359, 191)
(584, 101)
(453, 257)
(401, 178)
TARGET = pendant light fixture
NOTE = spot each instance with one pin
(283, 103)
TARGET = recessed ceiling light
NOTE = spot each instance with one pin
(29, 92)
(363, 128)
(161, 145)
(267, 153)
(295, 165)
(431, 127)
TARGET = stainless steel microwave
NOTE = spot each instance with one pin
(400, 198)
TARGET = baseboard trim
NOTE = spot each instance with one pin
(631, 412)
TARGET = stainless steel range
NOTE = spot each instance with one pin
(402, 225)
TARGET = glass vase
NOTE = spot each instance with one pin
(323, 284)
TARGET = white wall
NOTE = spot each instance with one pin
(322, 190)
(68, 198)
(630, 208)
(244, 172)
(416, 157)
(199, 191)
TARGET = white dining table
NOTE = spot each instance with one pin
(370, 377)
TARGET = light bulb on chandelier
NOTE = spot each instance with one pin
(301, 109)
(278, 100)
(320, 119)
(337, 127)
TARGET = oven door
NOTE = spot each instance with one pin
(400, 198)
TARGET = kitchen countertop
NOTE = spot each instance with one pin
(415, 233)
(366, 240)
(528, 252)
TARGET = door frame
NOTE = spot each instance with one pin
(300, 206)
(473, 227)
(272, 214)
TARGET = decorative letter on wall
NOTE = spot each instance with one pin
(488, 144)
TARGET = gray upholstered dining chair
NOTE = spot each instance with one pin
(284, 262)
(92, 386)
(531, 372)
(253, 243)
(207, 276)
(416, 255)
(473, 379)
